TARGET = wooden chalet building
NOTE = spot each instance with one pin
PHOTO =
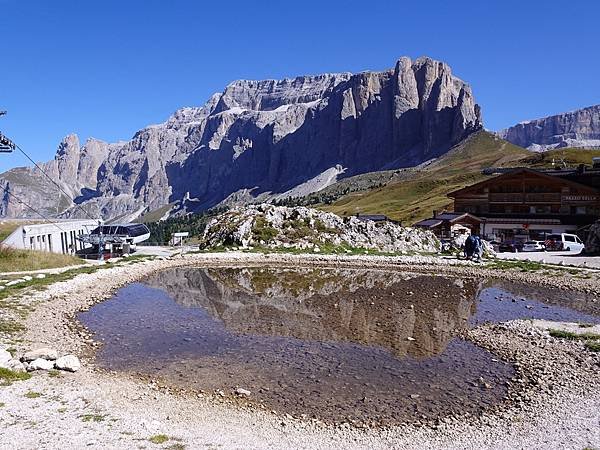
(528, 204)
(443, 224)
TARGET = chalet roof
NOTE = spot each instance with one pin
(537, 173)
(429, 223)
(456, 217)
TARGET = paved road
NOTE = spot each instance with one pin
(567, 258)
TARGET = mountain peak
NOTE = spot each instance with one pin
(579, 128)
(263, 138)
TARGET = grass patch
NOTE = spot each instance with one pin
(92, 418)
(10, 327)
(262, 230)
(410, 195)
(7, 376)
(591, 340)
(158, 438)
(574, 336)
(593, 346)
(53, 373)
(41, 283)
(62, 410)
(32, 394)
(176, 446)
(15, 260)
(2, 404)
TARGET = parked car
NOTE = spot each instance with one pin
(495, 245)
(564, 241)
(534, 246)
(510, 246)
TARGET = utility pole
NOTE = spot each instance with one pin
(100, 242)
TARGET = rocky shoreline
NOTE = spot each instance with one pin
(550, 372)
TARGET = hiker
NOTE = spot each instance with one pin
(470, 245)
(478, 248)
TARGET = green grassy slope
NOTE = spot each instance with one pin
(412, 195)
(571, 157)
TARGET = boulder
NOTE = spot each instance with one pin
(70, 363)
(44, 353)
(242, 392)
(5, 356)
(15, 365)
(40, 364)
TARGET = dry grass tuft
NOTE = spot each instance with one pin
(14, 260)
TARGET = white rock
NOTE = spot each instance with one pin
(5, 357)
(40, 364)
(13, 282)
(45, 353)
(68, 362)
(27, 278)
(15, 365)
(40, 276)
(242, 392)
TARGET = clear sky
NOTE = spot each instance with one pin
(106, 68)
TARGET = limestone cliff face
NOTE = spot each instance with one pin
(264, 137)
(579, 128)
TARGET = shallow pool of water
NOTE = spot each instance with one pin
(338, 345)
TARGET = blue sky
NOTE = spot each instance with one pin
(106, 68)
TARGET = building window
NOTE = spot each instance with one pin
(540, 209)
(578, 210)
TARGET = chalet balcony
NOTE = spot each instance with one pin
(525, 198)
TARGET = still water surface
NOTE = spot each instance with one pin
(338, 345)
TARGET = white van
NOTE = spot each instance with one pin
(564, 241)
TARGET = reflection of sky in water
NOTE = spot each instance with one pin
(499, 305)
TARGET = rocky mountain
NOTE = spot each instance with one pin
(579, 128)
(259, 139)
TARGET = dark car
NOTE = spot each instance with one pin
(510, 246)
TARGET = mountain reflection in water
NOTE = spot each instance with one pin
(414, 315)
(338, 345)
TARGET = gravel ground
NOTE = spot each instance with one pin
(566, 258)
(554, 401)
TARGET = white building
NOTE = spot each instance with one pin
(56, 237)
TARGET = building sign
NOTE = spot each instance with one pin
(580, 198)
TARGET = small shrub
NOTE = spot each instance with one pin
(158, 438)
(92, 418)
(32, 394)
(262, 230)
(176, 446)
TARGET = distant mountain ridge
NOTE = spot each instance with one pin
(580, 128)
(259, 138)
